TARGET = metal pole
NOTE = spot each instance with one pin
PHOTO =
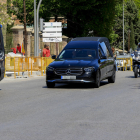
(37, 48)
(34, 27)
(25, 33)
(123, 26)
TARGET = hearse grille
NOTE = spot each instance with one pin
(69, 71)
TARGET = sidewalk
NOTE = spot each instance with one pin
(23, 75)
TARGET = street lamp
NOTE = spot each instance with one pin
(35, 44)
(123, 26)
(36, 31)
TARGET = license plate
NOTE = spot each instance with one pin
(68, 77)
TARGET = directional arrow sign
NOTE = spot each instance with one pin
(52, 24)
(52, 39)
(52, 29)
(52, 34)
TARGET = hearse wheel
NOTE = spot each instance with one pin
(50, 84)
(112, 78)
(97, 79)
(136, 72)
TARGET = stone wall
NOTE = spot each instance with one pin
(18, 37)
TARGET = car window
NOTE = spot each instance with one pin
(100, 52)
(105, 49)
(78, 54)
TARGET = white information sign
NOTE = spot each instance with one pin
(52, 29)
(52, 24)
(52, 32)
(52, 39)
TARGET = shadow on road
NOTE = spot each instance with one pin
(130, 77)
(77, 85)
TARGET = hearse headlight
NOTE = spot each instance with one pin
(89, 69)
(50, 69)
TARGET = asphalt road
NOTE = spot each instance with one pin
(31, 111)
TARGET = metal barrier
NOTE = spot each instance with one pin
(124, 63)
(20, 65)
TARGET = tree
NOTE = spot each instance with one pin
(82, 16)
(4, 17)
(17, 9)
(137, 2)
(132, 37)
(132, 19)
(131, 15)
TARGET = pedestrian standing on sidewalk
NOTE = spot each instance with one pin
(47, 51)
(44, 51)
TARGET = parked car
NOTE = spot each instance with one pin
(83, 60)
(2, 55)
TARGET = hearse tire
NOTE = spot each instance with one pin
(113, 77)
(97, 79)
(50, 84)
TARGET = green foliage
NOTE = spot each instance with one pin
(132, 39)
(4, 17)
(9, 42)
(131, 15)
(18, 10)
(137, 2)
(117, 29)
(82, 15)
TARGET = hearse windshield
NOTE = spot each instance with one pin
(77, 54)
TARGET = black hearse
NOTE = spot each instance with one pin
(2, 55)
(83, 60)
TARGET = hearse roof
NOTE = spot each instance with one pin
(100, 39)
(94, 39)
(82, 45)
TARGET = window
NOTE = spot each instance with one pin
(100, 52)
(78, 54)
(105, 49)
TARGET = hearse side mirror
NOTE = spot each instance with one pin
(103, 57)
(53, 56)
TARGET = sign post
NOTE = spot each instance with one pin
(52, 32)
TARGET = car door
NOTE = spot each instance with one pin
(2, 56)
(109, 60)
(102, 63)
(110, 64)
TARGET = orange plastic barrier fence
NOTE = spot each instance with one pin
(124, 63)
(27, 64)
